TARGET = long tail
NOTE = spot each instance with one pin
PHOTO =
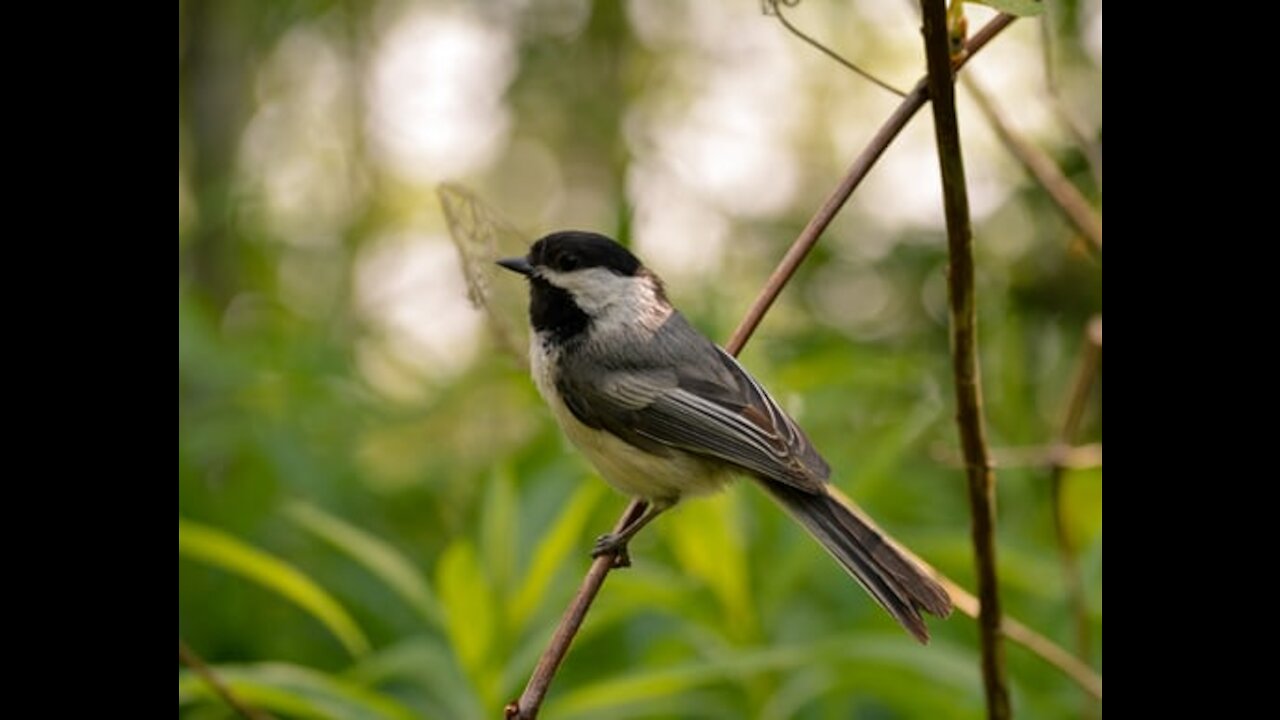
(893, 580)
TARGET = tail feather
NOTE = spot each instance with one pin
(894, 580)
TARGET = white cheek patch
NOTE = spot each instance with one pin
(593, 289)
(612, 300)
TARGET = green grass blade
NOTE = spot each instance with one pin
(374, 554)
(615, 694)
(425, 662)
(469, 604)
(208, 545)
(553, 549)
(295, 692)
(708, 542)
(500, 528)
(948, 666)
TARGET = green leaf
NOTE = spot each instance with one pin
(468, 600)
(377, 556)
(880, 469)
(941, 680)
(950, 667)
(293, 691)
(709, 544)
(1082, 505)
(619, 692)
(426, 662)
(208, 545)
(1021, 8)
(499, 527)
(557, 544)
(795, 692)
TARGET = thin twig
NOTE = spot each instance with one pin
(1072, 414)
(1071, 457)
(1045, 171)
(965, 602)
(188, 657)
(867, 159)
(777, 10)
(1092, 151)
(1044, 648)
(527, 706)
(964, 352)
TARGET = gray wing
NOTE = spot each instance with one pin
(676, 390)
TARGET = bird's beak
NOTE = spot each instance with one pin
(517, 264)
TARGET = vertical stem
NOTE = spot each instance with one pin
(964, 353)
(1072, 414)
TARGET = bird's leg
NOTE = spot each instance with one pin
(616, 543)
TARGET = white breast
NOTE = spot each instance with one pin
(624, 466)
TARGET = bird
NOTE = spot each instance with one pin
(665, 414)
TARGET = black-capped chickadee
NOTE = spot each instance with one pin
(664, 414)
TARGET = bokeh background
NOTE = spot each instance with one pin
(377, 516)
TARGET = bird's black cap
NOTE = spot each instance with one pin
(570, 250)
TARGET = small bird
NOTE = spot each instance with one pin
(664, 414)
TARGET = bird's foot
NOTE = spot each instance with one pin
(615, 545)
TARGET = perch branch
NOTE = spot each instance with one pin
(964, 352)
(527, 706)
(531, 699)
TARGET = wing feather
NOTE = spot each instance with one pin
(705, 403)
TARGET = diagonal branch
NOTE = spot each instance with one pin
(1065, 195)
(966, 603)
(1092, 151)
(526, 707)
(867, 159)
(531, 699)
(1070, 665)
(777, 10)
(964, 352)
(188, 657)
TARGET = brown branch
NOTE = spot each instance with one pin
(188, 657)
(777, 10)
(531, 699)
(1074, 207)
(1044, 648)
(1073, 412)
(1092, 151)
(799, 249)
(964, 352)
(527, 706)
(965, 602)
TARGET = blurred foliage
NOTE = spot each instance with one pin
(378, 517)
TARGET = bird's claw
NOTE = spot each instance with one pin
(611, 544)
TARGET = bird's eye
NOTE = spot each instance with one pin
(568, 262)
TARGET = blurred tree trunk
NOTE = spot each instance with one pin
(213, 63)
